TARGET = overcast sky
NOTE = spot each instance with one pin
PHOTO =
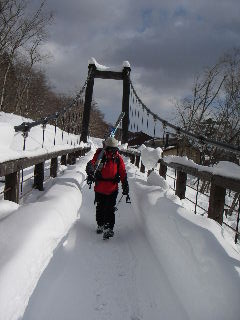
(166, 42)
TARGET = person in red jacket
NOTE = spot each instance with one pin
(110, 172)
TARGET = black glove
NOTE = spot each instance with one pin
(128, 200)
(89, 168)
(90, 174)
(98, 175)
(90, 178)
(125, 188)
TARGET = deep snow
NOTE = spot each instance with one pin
(163, 263)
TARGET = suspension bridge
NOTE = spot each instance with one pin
(162, 264)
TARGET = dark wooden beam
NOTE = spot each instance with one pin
(137, 161)
(88, 102)
(142, 168)
(228, 183)
(12, 187)
(125, 103)
(54, 167)
(216, 203)
(163, 170)
(181, 184)
(39, 176)
(64, 160)
(71, 158)
(189, 170)
(114, 75)
(132, 158)
(18, 164)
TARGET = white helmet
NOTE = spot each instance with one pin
(111, 142)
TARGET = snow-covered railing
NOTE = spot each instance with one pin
(11, 169)
(220, 181)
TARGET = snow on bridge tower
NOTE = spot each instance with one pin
(96, 70)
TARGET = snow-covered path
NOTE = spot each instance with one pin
(163, 263)
(89, 278)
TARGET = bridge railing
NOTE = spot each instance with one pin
(14, 174)
(218, 186)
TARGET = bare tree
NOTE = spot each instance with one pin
(199, 106)
(97, 127)
(24, 74)
(19, 31)
(213, 108)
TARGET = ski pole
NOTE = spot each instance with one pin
(128, 200)
(116, 209)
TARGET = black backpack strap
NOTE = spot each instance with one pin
(117, 176)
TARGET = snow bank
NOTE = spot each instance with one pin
(7, 207)
(28, 238)
(154, 179)
(200, 265)
(150, 156)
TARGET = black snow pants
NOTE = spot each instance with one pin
(105, 210)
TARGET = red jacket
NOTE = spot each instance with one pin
(112, 167)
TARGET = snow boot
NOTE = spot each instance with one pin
(99, 229)
(108, 233)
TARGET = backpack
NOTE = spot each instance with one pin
(115, 158)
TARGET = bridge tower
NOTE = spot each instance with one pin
(93, 73)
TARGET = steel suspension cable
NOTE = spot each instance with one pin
(200, 138)
(26, 126)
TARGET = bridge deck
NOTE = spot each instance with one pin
(124, 278)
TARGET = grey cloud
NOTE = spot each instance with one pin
(167, 43)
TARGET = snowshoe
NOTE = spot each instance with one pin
(108, 233)
(99, 229)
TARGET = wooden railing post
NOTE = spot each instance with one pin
(71, 158)
(12, 187)
(137, 161)
(163, 170)
(142, 168)
(216, 203)
(132, 158)
(181, 184)
(150, 171)
(53, 167)
(64, 160)
(78, 154)
(39, 176)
